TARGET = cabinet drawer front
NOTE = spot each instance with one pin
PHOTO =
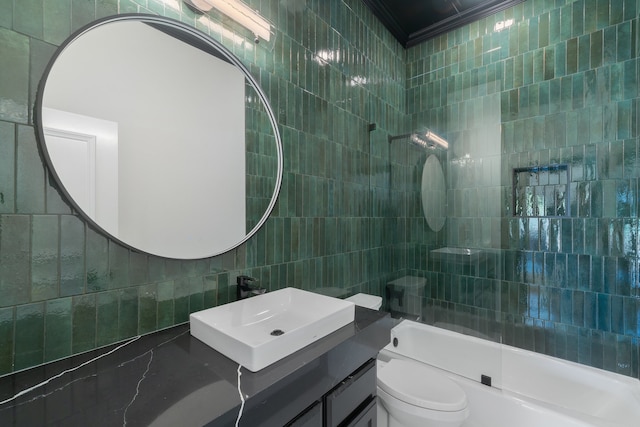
(348, 396)
(368, 417)
(311, 417)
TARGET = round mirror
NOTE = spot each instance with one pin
(433, 193)
(159, 136)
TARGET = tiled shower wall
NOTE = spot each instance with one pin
(330, 70)
(564, 78)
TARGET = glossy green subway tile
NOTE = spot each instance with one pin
(7, 167)
(29, 173)
(82, 12)
(58, 326)
(6, 18)
(147, 309)
(555, 308)
(630, 9)
(97, 261)
(543, 30)
(27, 17)
(627, 270)
(566, 306)
(630, 158)
(539, 66)
(630, 309)
(7, 338)
(196, 295)
(55, 201)
(128, 304)
(72, 262)
(110, 7)
(624, 356)
(106, 317)
(591, 89)
(610, 45)
(119, 266)
(29, 335)
(590, 16)
(623, 48)
(596, 49)
(609, 121)
(630, 85)
(210, 286)
(566, 21)
(138, 268)
(602, 13)
(44, 257)
(523, 37)
(578, 91)
(181, 300)
(577, 18)
(14, 86)
(596, 125)
(617, 315)
(14, 259)
(564, 103)
(57, 21)
(166, 310)
(590, 310)
(83, 336)
(616, 159)
(549, 64)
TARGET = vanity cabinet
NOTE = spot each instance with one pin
(351, 403)
(171, 378)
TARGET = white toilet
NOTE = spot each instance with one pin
(411, 394)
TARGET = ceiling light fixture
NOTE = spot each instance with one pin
(239, 12)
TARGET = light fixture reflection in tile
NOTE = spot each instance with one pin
(503, 25)
(201, 5)
(173, 4)
(359, 81)
(324, 57)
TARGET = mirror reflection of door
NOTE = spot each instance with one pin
(85, 152)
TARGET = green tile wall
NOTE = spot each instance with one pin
(565, 74)
(558, 86)
(330, 70)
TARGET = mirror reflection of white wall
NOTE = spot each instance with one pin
(159, 137)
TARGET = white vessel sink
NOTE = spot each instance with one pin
(258, 331)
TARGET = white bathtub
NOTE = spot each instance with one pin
(527, 389)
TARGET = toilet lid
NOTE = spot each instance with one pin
(416, 384)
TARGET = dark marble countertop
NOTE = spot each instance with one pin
(169, 378)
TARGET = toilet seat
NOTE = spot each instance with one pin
(417, 385)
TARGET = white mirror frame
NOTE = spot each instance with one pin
(193, 35)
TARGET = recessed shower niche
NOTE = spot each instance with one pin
(541, 191)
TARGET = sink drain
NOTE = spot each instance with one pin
(277, 332)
